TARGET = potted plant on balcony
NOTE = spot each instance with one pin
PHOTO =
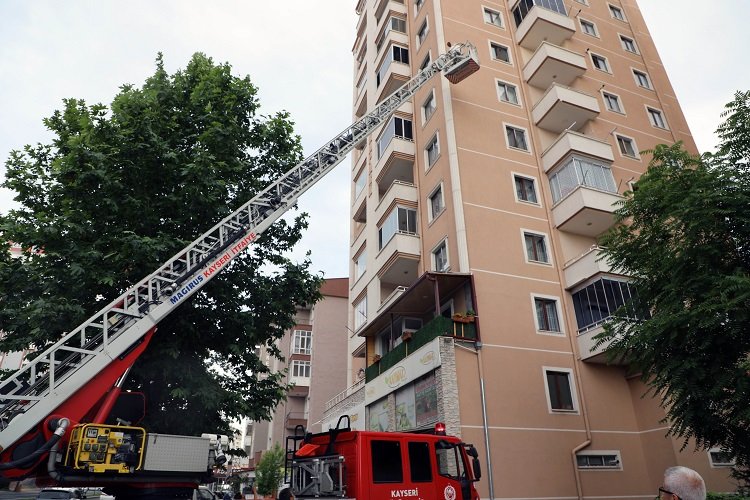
(376, 358)
(406, 335)
(467, 317)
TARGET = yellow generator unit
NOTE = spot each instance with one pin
(106, 448)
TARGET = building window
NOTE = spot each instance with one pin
(418, 5)
(302, 342)
(628, 44)
(720, 458)
(598, 460)
(581, 172)
(440, 257)
(393, 24)
(493, 17)
(397, 127)
(429, 106)
(507, 92)
(360, 264)
(524, 6)
(360, 313)
(525, 189)
(516, 137)
(627, 146)
(656, 118)
(425, 62)
(397, 54)
(616, 12)
(600, 62)
(437, 205)
(300, 369)
(359, 183)
(597, 302)
(422, 33)
(642, 79)
(536, 248)
(588, 27)
(401, 220)
(547, 319)
(584, 2)
(499, 52)
(612, 102)
(560, 389)
(433, 151)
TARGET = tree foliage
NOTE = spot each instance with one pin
(684, 239)
(270, 471)
(119, 190)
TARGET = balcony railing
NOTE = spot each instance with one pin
(438, 327)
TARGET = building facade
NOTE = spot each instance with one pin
(476, 286)
(313, 350)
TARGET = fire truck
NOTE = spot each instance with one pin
(65, 420)
(342, 463)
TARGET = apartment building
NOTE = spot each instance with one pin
(476, 286)
(314, 350)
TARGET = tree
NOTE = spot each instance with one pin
(270, 471)
(683, 236)
(119, 190)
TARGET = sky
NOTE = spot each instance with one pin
(298, 52)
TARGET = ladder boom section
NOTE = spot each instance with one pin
(38, 388)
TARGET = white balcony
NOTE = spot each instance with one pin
(396, 163)
(552, 64)
(544, 25)
(573, 142)
(395, 76)
(398, 191)
(585, 266)
(397, 263)
(590, 354)
(585, 211)
(563, 108)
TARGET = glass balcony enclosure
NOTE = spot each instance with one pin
(579, 171)
(524, 6)
(597, 302)
(397, 127)
(401, 220)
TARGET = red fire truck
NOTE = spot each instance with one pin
(343, 463)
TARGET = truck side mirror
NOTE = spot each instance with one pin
(477, 468)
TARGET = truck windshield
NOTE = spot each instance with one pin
(450, 462)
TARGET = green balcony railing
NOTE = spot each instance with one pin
(439, 326)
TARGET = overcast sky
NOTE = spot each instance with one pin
(298, 52)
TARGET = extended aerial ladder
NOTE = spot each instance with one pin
(69, 378)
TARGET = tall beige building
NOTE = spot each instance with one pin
(476, 286)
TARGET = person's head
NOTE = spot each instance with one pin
(286, 494)
(681, 483)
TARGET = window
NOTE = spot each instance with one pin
(360, 264)
(616, 12)
(360, 313)
(546, 315)
(393, 24)
(422, 33)
(536, 248)
(525, 189)
(436, 202)
(499, 52)
(397, 127)
(386, 462)
(580, 171)
(627, 146)
(440, 257)
(359, 183)
(516, 137)
(302, 342)
(524, 6)
(628, 44)
(418, 5)
(584, 2)
(401, 220)
(429, 106)
(598, 460)
(425, 62)
(507, 92)
(493, 17)
(559, 390)
(600, 63)
(642, 79)
(612, 102)
(450, 462)
(300, 369)
(720, 458)
(597, 302)
(419, 462)
(433, 151)
(656, 118)
(397, 54)
(588, 27)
